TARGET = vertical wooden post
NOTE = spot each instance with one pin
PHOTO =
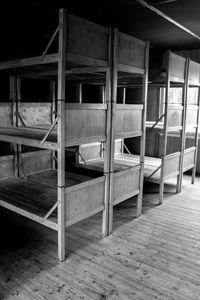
(143, 137)
(53, 115)
(19, 146)
(61, 134)
(124, 96)
(102, 94)
(164, 150)
(114, 73)
(196, 138)
(184, 116)
(13, 98)
(79, 92)
(105, 225)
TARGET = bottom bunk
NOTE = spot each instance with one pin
(34, 193)
(152, 165)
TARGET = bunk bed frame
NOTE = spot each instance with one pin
(192, 112)
(158, 170)
(53, 196)
(127, 121)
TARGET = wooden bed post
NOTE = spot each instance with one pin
(13, 98)
(15, 95)
(196, 138)
(143, 137)
(61, 134)
(79, 93)
(105, 229)
(114, 72)
(183, 137)
(164, 150)
(53, 115)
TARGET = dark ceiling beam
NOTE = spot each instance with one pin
(160, 13)
(129, 9)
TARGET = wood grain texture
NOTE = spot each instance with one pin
(153, 257)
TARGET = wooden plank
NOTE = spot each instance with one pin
(164, 150)
(131, 51)
(172, 165)
(30, 61)
(36, 161)
(61, 133)
(85, 106)
(143, 137)
(84, 124)
(87, 39)
(189, 159)
(7, 167)
(129, 120)
(84, 199)
(194, 73)
(114, 48)
(34, 114)
(177, 65)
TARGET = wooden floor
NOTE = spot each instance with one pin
(156, 256)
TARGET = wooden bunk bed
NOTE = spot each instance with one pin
(191, 128)
(53, 195)
(72, 198)
(127, 121)
(171, 120)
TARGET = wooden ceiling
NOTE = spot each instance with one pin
(21, 21)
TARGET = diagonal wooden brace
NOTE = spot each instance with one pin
(156, 170)
(23, 172)
(50, 130)
(126, 148)
(20, 118)
(50, 42)
(51, 211)
(158, 121)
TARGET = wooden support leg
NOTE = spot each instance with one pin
(193, 175)
(178, 185)
(105, 231)
(61, 224)
(161, 192)
(140, 195)
(111, 204)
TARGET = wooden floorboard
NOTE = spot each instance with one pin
(155, 256)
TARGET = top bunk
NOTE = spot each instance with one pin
(85, 45)
(166, 67)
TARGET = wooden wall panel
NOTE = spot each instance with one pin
(188, 158)
(85, 124)
(7, 167)
(84, 199)
(87, 39)
(129, 119)
(5, 114)
(172, 164)
(36, 161)
(175, 115)
(34, 114)
(131, 51)
(126, 184)
(177, 66)
(194, 72)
